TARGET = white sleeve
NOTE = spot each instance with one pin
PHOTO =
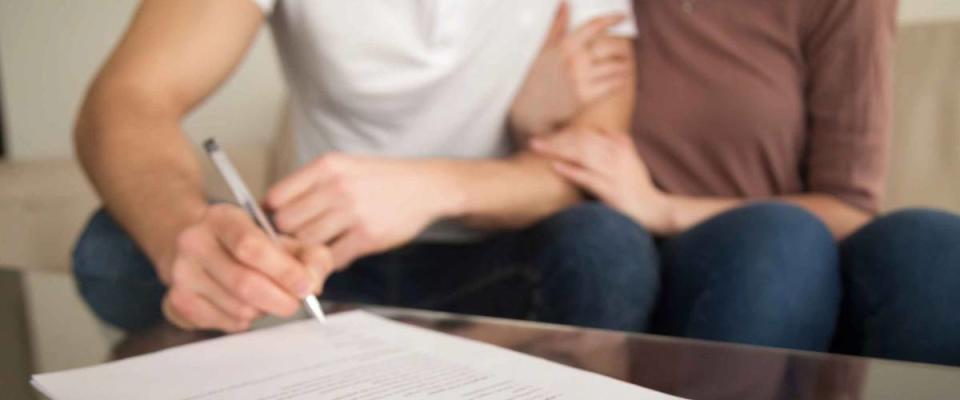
(266, 5)
(582, 11)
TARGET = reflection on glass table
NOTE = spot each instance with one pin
(686, 368)
(44, 328)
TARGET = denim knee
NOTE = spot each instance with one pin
(114, 277)
(902, 272)
(599, 268)
(911, 251)
(785, 247)
(763, 274)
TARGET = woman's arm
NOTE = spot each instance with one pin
(524, 188)
(847, 50)
(609, 167)
(685, 212)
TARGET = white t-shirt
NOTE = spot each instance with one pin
(412, 78)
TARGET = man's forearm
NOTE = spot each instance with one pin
(143, 167)
(502, 194)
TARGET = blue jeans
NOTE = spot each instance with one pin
(767, 274)
(764, 274)
(902, 281)
(770, 274)
(588, 266)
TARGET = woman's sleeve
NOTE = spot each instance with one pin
(265, 5)
(582, 11)
(848, 50)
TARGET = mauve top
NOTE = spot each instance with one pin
(759, 98)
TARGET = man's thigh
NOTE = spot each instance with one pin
(486, 278)
(115, 278)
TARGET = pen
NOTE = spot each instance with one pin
(246, 200)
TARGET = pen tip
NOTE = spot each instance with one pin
(210, 145)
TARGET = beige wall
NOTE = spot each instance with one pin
(916, 11)
(50, 49)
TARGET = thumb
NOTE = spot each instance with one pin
(317, 259)
(173, 317)
(319, 262)
(346, 249)
(560, 22)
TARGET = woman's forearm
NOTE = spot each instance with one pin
(685, 212)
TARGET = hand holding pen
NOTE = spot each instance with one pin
(228, 272)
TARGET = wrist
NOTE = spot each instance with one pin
(161, 246)
(663, 221)
(446, 189)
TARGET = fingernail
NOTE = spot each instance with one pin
(305, 288)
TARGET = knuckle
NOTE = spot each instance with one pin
(570, 64)
(363, 230)
(182, 304)
(333, 158)
(330, 162)
(284, 221)
(187, 239)
(288, 308)
(290, 275)
(338, 184)
(368, 235)
(250, 248)
(320, 163)
(305, 235)
(217, 212)
(245, 285)
(348, 207)
(581, 93)
(249, 314)
(180, 272)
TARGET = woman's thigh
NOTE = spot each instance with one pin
(902, 288)
(763, 274)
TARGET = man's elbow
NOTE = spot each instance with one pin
(115, 105)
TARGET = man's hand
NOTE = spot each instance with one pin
(362, 205)
(572, 70)
(227, 272)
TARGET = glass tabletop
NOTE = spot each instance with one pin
(683, 367)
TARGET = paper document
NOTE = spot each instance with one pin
(355, 355)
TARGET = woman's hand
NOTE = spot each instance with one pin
(572, 70)
(607, 165)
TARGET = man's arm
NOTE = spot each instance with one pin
(222, 271)
(128, 135)
(362, 205)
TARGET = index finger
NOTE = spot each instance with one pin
(596, 26)
(296, 184)
(249, 245)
